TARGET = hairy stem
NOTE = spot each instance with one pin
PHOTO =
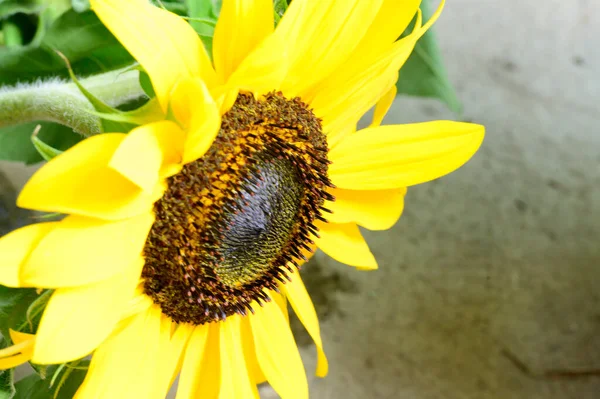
(61, 102)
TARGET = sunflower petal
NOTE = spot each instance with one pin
(235, 380)
(241, 27)
(344, 243)
(317, 49)
(127, 363)
(22, 342)
(171, 353)
(346, 95)
(147, 151)
(391, 21)
(263, 70)
(373, 209)
(254, 370)
(200, 373)
(77, 320)
(303, 306)
(82, 251)
(15, 248)
(402, 155)
(277, 353)
(14, 361)
(383, 106)
(79, 181)
(163, 43)
(195, 109)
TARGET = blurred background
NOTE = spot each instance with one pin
(488, 286)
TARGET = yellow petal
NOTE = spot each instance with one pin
(263, 70)
(241, 27)
(163, 43)
(277, 353)
(22, 343)
(334, 137)
(281, 300)
(14, 361)
(20, 337)
(347, 94)
(82, 250)
(375, 210)
(80, 182)
(256, 374)
(383, 106)
(303, 306)
(320, 36)
(392, 19)
(344, 243)
(235, 380)
(171, 353)
(77, 320)
(146, 151)
(195, 109)
(15, 248)
(20, 352)
(200, 373)
(369, 74)
(402, 155)
(126, 365)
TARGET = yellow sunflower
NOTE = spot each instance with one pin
(181, 234)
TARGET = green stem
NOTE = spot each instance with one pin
(61, 102)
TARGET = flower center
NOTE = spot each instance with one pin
(230, 223)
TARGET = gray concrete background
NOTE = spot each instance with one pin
(499, 257)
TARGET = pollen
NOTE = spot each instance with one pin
(231, 224)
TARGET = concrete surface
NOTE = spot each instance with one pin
(499, 258)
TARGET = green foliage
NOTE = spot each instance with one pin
(14, 303)
(16, 145)
(88, 45)
(279, 7)
(424, 74)
(21, 310)
(64, 382)
(7, 384)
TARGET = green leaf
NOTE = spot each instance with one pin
(199, 10)
(16, 145)
(7, 388)
(81, 37)
(423, 74)
(146, 84)
(279, 7)
(67, 381)
(14, 303)
(32, 387)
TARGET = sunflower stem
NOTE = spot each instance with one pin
(61, 102)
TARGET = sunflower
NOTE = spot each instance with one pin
(182, 239)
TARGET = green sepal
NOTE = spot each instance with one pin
(100, 106)
(46, 151)
(147, 113)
